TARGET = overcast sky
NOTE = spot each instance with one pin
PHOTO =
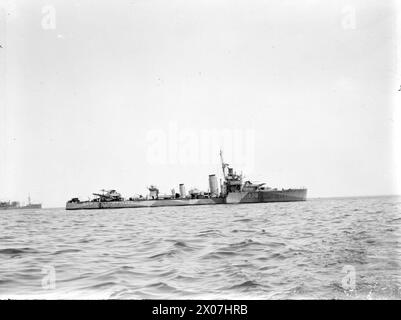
(124, 94)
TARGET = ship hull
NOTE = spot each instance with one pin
(232, 198)
(143, 203)
(267, 196)
(29, 206)
(32, 206)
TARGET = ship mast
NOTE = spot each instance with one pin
(223, 165)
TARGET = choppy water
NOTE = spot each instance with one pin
(323, 248)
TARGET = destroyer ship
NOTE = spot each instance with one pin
(232, 190)
(16, 205)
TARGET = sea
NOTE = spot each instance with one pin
(337, 248)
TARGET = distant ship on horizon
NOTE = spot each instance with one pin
(233, 190)
(16, 205)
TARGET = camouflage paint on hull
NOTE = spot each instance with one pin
(267, 196)
(232, 198)
(143, 203)
(28, 206)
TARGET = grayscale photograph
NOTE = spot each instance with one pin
(200, 150)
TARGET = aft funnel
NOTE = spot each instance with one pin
(213, 186)
(182, 190)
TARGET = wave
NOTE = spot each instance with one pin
(274, 244)
(242, 230)
(224, 255)
(66, 251)
(16, 251)
(180, 244)
(162, 286)
(246, 284)
(210, 233)
(169, 253)
(102, 285)
(243, 220)
(278, 256)
(242, 244)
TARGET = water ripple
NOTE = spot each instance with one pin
(267, 251)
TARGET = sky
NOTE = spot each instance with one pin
(124, 94)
